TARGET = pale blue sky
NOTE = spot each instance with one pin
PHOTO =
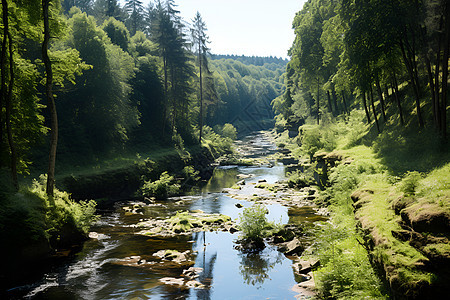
(249, 27)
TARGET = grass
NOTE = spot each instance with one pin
(399, 161)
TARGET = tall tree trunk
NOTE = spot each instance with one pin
(397, 98)
(345, 104)
(7, 93)
(201, 92)
(410, 69)
(365, 107)
(318, 101)
(165, 93)
(374, 111)
(3, 91)
(380, 95)
(336, 111)
(436, 77)
(12, 145)
(330, 108)
(433, 94)
(51, 101)
(445, 71)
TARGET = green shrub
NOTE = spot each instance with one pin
(190, 174)
(217, 143)
(345, 271)
(299, 179)
(62, 211)
(229, 131)
(162, 188)
(312, 141)
(253, 222)
(410, 182)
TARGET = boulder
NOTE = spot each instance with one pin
(427, 217)
(293, 247)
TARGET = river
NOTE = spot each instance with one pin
(226, 273)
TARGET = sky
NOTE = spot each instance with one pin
(245, 27)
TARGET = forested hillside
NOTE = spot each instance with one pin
(246, 86)
(366, 103)
(388, 57)
(99, 86)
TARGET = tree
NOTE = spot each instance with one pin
(84, 5)
(135, 10)
(200, 40)
(50, 99)
(169, 38)
(117, 32)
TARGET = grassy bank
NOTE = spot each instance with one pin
(390, 203)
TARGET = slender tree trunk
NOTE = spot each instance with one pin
(413, 83)
(3, 91)
(336, 111)
(445, 71)
(12, 145)
(436, 77)
(8, 93)
(201, 91)
(165, 93)
(330, 108)
(365, 107)
(397, 98)
(380, 95)
(318, 101)
(51, 101)
(345, 104)
(374, 111)
(432, 90)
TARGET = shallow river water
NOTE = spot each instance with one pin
(227, 273)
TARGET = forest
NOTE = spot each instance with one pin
(115, 108)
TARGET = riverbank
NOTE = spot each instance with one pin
(186, 245)
(37, 236)
(389, 198)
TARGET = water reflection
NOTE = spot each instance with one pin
(223, 177)
(255, 267)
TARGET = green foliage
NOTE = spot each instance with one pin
(346, 272)
(215, 142)
(162, 188)
(409, 183)
(229, 131)
(190, 174)
(299, 179)
(62, 210)
(253, 222)
(315, 138)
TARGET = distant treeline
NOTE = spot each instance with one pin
(252, 60)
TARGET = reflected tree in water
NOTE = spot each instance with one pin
(255, 267)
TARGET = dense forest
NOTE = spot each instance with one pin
(123, 78)
(373, 54)
(367, 84)
(88, 84)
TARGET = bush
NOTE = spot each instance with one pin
(229, 131)
(62, 211)
(299, 179)
(162, 188)
(410, 182)
(253, 222)
(217, 143)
